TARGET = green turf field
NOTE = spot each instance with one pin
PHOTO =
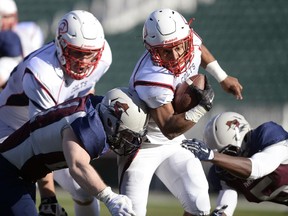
(166, 205)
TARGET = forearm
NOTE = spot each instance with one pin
(171, 126)
(238, 166)
(88, 178)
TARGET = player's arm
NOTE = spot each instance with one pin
(39, 96)
(238, 166)
(228, 83)
(78, 161)
(172, 124)
(266, 161)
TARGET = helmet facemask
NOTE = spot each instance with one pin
(79, 43)
(176, 66)
(126, 142)
(79, 63)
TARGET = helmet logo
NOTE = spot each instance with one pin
(235, 125)
(170, 40)
(63, 27)
(119, 108)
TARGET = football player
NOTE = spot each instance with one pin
(174, 53)
(253, 162)
(71, 135)
(65, 68)
(30, 35)
(10, 54)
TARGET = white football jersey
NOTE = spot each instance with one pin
(31, 36)
(156, 85)
(39, 81)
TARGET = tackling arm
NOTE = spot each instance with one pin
(78, 161)
(238, 166)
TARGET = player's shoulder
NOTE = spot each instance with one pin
(45, 66)
(146, 71)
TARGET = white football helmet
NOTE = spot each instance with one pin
(8, 14)
(166, 28)
(79, 43)
(7, 7)
(125, 119)
(226, 131)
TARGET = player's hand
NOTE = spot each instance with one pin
(50, 207)
(206, 96)
(219, 211)
(198, 148)
(232, 85)
(117, 204)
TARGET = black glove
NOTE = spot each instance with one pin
(50, 207)
(198, 148)
(206, 96)
(219, 211)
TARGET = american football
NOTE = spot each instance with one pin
(184, 98)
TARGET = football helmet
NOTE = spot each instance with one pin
(226, 132)
(166, 29)
(7, 7)
(124, 117)
(79, 43)
(8, 14)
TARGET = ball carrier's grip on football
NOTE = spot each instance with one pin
(205, 98)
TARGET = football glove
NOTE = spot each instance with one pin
(198, 148)
(206, 96)
(117, 204)
(219, 211)
(50, 207)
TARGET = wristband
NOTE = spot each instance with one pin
(105, 194)
(216, 71)
(195, 113)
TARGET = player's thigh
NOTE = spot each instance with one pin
(184, 176)
(65, 180)
(136, 174)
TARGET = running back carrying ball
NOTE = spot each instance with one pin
(185, 98)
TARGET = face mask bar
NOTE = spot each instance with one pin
(127, 142)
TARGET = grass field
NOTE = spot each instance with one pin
(163, 204)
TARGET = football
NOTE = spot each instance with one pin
(184, 98)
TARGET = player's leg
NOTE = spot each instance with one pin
(135, 174)
(84, 203)
(184, 176)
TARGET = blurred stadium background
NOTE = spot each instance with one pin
(249, 38)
